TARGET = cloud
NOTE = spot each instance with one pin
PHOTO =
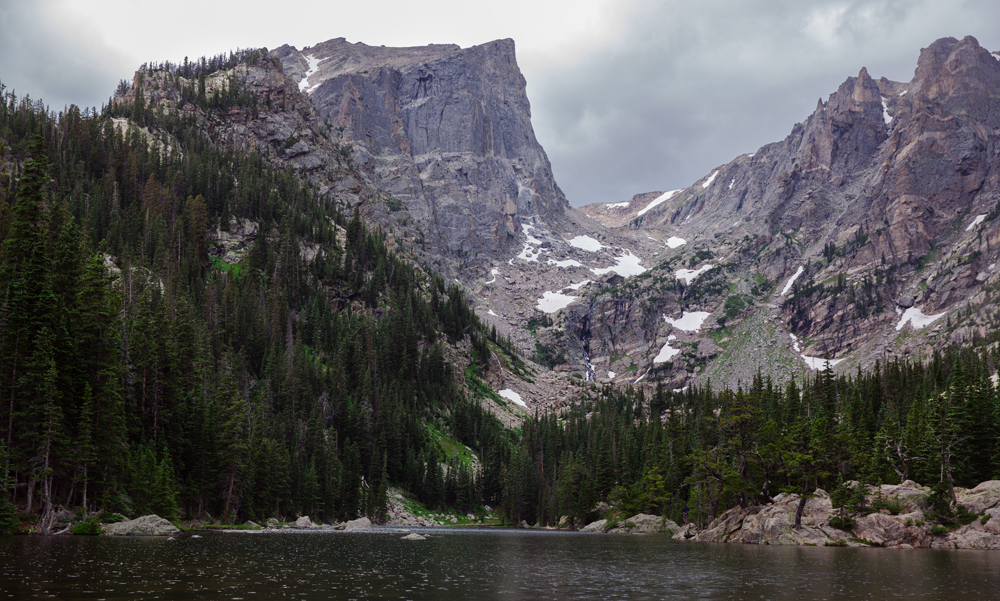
(688, 86)
(57, 59)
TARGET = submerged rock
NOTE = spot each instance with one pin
(147, 525)
(413, 536)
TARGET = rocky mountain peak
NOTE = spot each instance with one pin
(962, 75)
(444, 132)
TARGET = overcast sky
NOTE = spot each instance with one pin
(627, 96)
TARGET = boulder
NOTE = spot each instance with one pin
(910, 495)
(686, 532)
(883, 530)
(252, 524)
(986, 495)
(414, 536)
(303, 522)
(643, 523)
(359, 525)
(597, 526)
(147, 525)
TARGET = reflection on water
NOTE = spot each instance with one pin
(470, 564)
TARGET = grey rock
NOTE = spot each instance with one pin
(597, 526)
(413, 536)
(304, 522)
(358, 525)
(147, 525)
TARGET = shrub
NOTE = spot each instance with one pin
(89, 527)
(836, 543)
(938, 529)
(840, 523)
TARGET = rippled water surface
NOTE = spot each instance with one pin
(469, 564)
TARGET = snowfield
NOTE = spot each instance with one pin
(688, 322)
(689, 275)
(586, 243)
(662, 198)
(626, 266)
(917, 319)
(675, 242)
(553, 301)
(510, 395)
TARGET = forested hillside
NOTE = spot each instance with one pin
(934, 423)
(139, 374)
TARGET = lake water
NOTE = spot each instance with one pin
(476, 564)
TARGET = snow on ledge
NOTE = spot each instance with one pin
(689, 275)
(662, 198)
(617, 205)
(510, 395)
(917, 319)
(688, 322)
(675, 242)
(791, 280)
(979, 219)
(494, 273)
(710, 179)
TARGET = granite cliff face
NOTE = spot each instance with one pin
(869, 232)
(444, 132)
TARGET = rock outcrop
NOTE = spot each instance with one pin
(773, 524)
(444, 131)
(147, 525)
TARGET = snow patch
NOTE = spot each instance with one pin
(665, 354)
(731, 183)
(689, 275)
(492, 313)
(688, 322)
(818, 363)
(527, 233)
(567, 263)
(639, 379)
(494, 273)
(979, 219)
(903, 93)
(313, 67)
(611, 375)
(578, 286)
(917, 319)
(795, 343)
(791, 280)
(586, 243)
(626, 266)
(674, 242)
(618, 205)
(885, 112)
(553, 301)
(711, 178)
(662, 198)
(510, 395)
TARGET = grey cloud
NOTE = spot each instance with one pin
(60, 63)
(690, 86)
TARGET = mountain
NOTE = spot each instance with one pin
(868, 233)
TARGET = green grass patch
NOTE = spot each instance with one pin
(452, 448)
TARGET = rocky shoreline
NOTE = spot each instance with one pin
(773, 524)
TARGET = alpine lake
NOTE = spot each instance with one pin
(467, 563)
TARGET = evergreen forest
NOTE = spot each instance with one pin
(141, 373)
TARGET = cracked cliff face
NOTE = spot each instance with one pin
(443, 130)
